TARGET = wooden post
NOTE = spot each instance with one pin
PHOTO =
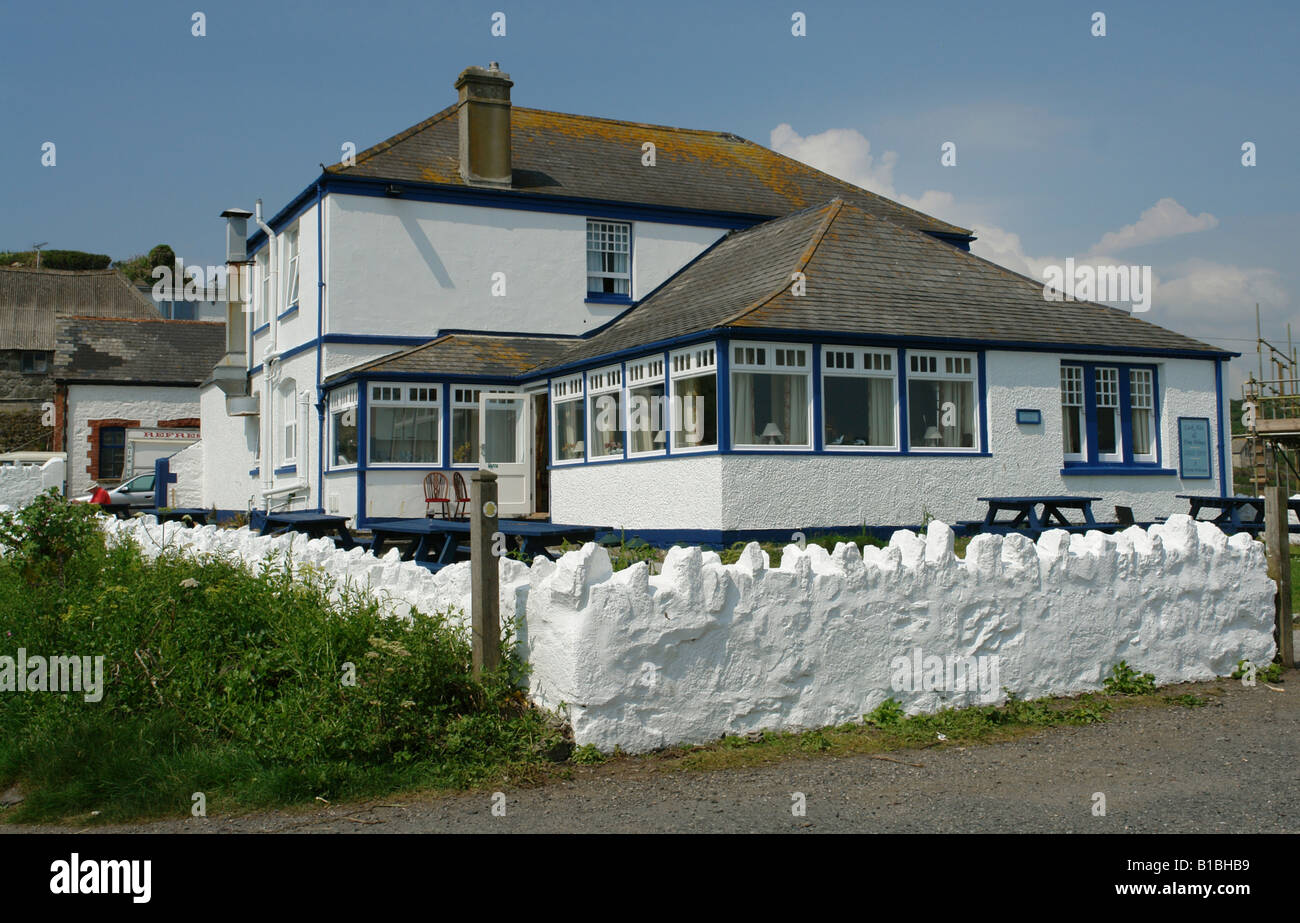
(485, 577)
(1277, 536)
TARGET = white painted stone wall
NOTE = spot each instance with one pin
(640, 661)
(187, 466)
(146, 403)
(20, 484)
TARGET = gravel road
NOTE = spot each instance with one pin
(1231, 766)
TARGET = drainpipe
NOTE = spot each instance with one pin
(268, 396)
(320, 332)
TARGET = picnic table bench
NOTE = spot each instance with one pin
(1239, 513)
(436, 543)
(1033, 516)
(314, 525)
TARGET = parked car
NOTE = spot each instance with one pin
(137, 492)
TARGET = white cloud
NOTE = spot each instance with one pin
(1201, 298)
(1164, 219)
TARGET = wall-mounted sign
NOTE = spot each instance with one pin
(1031, 417)
(1194, 447)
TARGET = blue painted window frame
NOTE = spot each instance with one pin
(1126, 463)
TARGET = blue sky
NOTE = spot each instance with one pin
(1063, 139)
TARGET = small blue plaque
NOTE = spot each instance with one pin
(1032, 417)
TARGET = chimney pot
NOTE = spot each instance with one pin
(483, 111)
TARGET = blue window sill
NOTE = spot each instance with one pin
(262, 329)
(254, 471)
(1070, 470)
(293, 310)
(287, 469)
(598, 298)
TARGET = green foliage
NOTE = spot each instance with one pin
(1124, 680)
(235, 682)
(626, 553)
(140, 268)
(57, 259)
(587, 755)
(887, 714)
(1187, 700)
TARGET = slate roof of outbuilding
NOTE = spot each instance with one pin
(867, 277)
(31, 301)
(585, 157)
(469, 354)
(137, 351)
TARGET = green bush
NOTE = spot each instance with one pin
(235, 682)
(1124, 680)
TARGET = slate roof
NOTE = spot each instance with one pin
(469, 354)
(585, 157)
(869, 277)
(32, 299)
(137, 351)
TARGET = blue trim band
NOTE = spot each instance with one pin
(293, 310)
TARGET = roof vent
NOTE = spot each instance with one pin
(483, 111)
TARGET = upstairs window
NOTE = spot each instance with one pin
(35, 362)
(289, 421)
(263, 306)
(609, 258)
(291, 250)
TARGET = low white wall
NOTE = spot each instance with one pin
(702, 649)
(19, 484)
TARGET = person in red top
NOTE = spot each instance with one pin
(99, 495)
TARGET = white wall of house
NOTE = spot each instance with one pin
(407, 268)
(145, 403)
(229, 451)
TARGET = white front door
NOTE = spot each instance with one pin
(504, 445)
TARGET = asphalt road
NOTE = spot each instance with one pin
(1232, 766)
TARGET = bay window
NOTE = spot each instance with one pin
(771, 388)
(1141, 390)
(693, 403)
(942, 403)
(605, 412)
(405, 424)
(1108, 435)
(343, 426)
(859, 399)
(647, 424)
(569, 429)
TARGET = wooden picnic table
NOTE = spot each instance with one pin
(1243, 514)
(436, 542)
(314, 525)
(1035, 515)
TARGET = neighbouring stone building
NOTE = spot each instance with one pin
(31, 301)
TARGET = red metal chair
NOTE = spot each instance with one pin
(436, 491)
(462, 494)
